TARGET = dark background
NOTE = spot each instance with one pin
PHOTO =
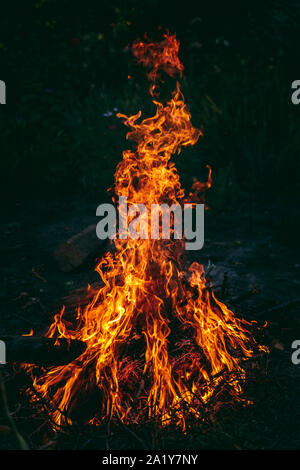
(66, 67)
(66, 64)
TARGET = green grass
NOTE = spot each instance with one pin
(62, 144)
(55, 138)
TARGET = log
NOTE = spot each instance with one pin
(79, 249)
(42, 351)
(289, 303)
(86, 401)
(82, 296)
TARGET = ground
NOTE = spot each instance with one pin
(256, 251)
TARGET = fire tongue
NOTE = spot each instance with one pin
(159, 343)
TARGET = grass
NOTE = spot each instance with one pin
(62, 143)
(65, 72)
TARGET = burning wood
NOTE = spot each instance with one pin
(153, 320)
(42, 351)
(78, 249)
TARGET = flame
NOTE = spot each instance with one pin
(158, 340)
(162, 55)
(28, 334)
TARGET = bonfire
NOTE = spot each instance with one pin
(159, 345)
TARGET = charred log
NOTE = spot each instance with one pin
(42, 351)
(79, 249)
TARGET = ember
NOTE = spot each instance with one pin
(158, 341)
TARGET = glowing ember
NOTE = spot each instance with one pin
(158, 340)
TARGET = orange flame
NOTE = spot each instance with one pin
(158, 340)
(162, 55)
